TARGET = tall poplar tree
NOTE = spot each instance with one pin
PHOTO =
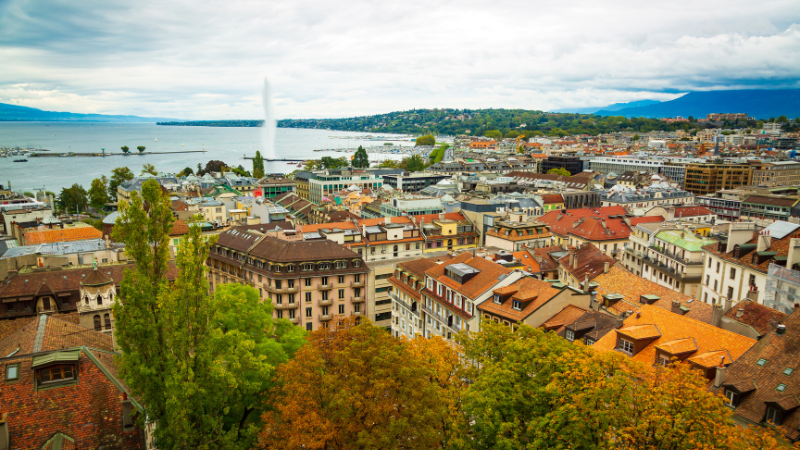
(360, 158)
(198, 364)
(258, 165)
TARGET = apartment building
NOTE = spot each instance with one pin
(777, 173)
(656, 195)
(514, 235)
(309, 282)
(768, 207)
(604, 227)
(412, 182)
(446, 231)
(412, 206)
(736, 267)
(271, 187)
(704, 179)
(454, 288)
(408, 281)
(324, 186)
(674, 259)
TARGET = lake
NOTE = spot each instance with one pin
(229, 145)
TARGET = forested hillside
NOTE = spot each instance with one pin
(511, 122)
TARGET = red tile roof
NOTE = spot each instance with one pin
(593, 224)
(46, 236)
(532, 293)
(567, 315)
(525, 258)
(762, 318)
(477, 285)
(647, 219)
(553, 198)
(691, 211)
(591, 262)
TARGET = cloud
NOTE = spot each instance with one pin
(202, 59)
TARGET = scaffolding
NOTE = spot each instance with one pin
(783, 288)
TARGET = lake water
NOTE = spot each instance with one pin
(229, 145)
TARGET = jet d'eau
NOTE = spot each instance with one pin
(270, 124)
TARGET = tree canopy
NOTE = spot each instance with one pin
(360, 158)
(494, 134)
(560, 171)
(98, 192)
(258, 165)
(413, 163)
(74, 198)
(118, 176)
(149, 168)
(140, 148)
(428, 139)
(125, 149)
(329, 162)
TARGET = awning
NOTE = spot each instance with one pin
(55, 357)
(9, 300)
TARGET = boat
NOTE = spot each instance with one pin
(156, 139)
(20, 160)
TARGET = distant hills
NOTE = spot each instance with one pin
(758, 103)
(614, 107)
(16, 113)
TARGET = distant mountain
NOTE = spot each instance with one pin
(15, 113)
(758, 103)
(614, 107)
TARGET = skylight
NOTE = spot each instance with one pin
(761, 362)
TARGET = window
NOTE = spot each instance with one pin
(341, 309)
(308, 282)
(709, 263)
(107, 320)
(730, 292)
(55, 374)
(341, 265)
(497, 299)
(324, 281)
(626, 346)
(589, 341)
(12, 372)
(289, 268)
(570, 335)
(99, 300)
(774, 416)
(717, 266)
(761, 362)
(663, 360)
(97, 324)
(733, 273)
(340, 279)
(781, 387)
(341, 293)
(309, 312)
(324, 295)
(752, 280)
(788, 371)
(516, 305)
(708, 280)
(732, 398)
(439, 290)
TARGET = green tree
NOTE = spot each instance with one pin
(140, 148)
(29, 194)
(413, 163)
(149, 168)
(74, 198)
(240, 171)
(118, 176)
(125, 149)
(198, 364)
(560, 171)
(389, 163)
(360, 158)
(494, 134)
(258, 165)
(98, 192)
(521, 150)
(635, 137)
(185, 172)
(513, 134)
(328, 162)
(428, 139)
(214, 165)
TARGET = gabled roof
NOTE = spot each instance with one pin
(590, 261)
(530, 292)
(593, 224)
(762, 318)
(566, 316)
(490, 273)
(62, 235)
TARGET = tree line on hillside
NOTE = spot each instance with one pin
(215, 370)
(506, 122)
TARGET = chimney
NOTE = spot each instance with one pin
(575, 262)
(586, 281)
(108, 242)
(593, 303)
(739, 313)
(716, 315)
(676, 307)
(719, 377)
(752, 294)
(441, 216)
(606, 267)
(764, 241)
(728, 304)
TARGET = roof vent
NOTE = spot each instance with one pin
(780, 330)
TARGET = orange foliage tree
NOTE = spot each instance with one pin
(357, 387)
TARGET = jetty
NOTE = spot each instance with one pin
(71, 154)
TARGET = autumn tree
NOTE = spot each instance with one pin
(98, 192)
(357, 387)
(360, 158)
(389, 163)
(118, 176)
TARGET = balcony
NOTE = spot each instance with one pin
(291, 289)
(357, 313)
(325, 317)
(680, 259)
(325, 286)
(357, 283)
(359, 299)
(294, 320)
(327, 302)
(680, 276)
(286, 305)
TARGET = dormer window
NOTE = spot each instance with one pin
(341, 265)
(324, 266)
(774, 416)
(99, 300)
(497, 299)
(626, 346)
(276, 269)
(356, 263)
(56, 374)
(439, 290)
(570, 335)
(290, 268)
(516, 305)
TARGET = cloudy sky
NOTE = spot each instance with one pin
(198, 59)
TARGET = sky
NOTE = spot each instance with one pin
(208, 60)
